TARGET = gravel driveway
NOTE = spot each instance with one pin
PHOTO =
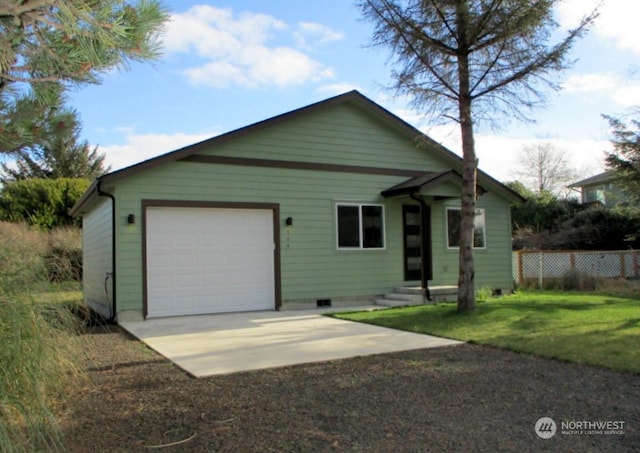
(455, 398)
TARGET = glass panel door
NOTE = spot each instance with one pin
(412, 239)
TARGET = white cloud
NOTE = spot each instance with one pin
(627, 95)
(311, 34)
(571, 12)
(236, 48)
(618, 20)
(623, 93)
(140, 147)
(586, 83)
(498, 155)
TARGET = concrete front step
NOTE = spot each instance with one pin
(411, 298)
(392, 303)
(411, 295)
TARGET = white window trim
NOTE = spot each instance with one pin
(446, 230)
(361, 232)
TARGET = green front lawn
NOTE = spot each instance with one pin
(583, 328)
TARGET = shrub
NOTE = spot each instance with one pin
(571, 280)
(576, 280)
(41, 202)
(483, 293)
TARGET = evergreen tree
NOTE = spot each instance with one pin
(624, 161)
(467, 60)
(47, 46)
(57, 151)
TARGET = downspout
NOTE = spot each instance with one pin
(425, 249)
(101, 193)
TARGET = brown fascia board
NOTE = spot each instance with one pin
(351, 96)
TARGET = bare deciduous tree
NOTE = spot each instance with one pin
(545, 168)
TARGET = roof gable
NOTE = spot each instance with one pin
(353, 98)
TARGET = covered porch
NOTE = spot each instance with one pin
(423, 193)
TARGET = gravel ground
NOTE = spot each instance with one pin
(458, 398)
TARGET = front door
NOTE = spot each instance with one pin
(412, 233)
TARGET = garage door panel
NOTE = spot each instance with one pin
(205, 260)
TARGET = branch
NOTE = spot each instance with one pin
(489, 68)
(476, 36)
(15, 9)
(397, 20)
(445, 22)
(395, 23)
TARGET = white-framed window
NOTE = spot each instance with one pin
(360, 226)
(593, 194)
(453, 229)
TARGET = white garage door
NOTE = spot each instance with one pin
(205, 260)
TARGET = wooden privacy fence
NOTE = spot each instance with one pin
(551, 264)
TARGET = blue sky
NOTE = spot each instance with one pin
(227, 64)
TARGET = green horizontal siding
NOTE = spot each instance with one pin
(343, 135)
(493, 264)
(311, 265)
(97, 256)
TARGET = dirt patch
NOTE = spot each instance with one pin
(456, 398)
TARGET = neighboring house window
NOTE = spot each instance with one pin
(360, 226)
(593, 194)
(453, 228)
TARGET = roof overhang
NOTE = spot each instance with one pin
(600, 178)
(428, 182)
(353, 98)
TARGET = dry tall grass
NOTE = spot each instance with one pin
(37, 356)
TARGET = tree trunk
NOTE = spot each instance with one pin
(466, 275)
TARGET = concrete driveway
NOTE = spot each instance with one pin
(207, 345)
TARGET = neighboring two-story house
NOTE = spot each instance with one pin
(600, 189)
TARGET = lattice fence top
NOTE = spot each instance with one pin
(530, 264)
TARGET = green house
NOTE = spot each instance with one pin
(336, 202)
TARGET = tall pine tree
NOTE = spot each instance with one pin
(468, 60)
(624, 161)
(47, 46)
(56, 151)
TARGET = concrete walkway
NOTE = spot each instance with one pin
(207, 345)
